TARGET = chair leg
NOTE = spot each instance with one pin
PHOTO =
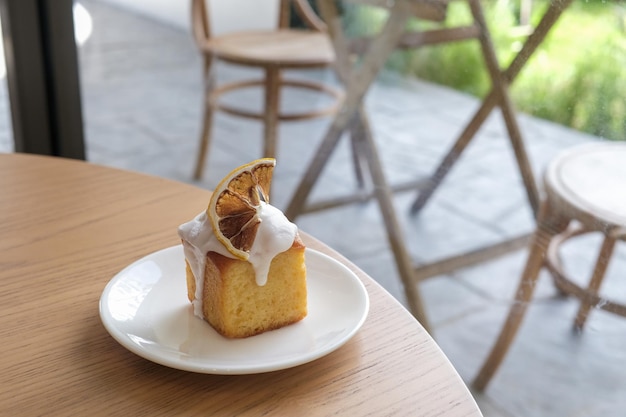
(548, 226)
(207, 120)
(596, 280)
(271, 111)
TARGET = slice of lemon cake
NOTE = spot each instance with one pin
(244, 259)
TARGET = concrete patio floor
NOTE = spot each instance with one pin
(142, 96)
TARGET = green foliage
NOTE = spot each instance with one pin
(576, 77)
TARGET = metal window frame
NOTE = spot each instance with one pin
(42, 77)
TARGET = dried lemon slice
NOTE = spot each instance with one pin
(234, 205)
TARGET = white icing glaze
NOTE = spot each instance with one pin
(274, 235)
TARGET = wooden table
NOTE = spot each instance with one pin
(67, 227)
(358, 76)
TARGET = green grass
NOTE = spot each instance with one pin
(576, 78)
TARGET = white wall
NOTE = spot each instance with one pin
(233, 15)
(172, 12)
(226, 15)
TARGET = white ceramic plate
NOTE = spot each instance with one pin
(145, 308)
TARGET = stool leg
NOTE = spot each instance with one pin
(403, 259)
(501, 88)
(357, 138)
(596, 280)
(548, 226)
(272, 108)
(207, 120)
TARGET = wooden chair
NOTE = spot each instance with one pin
(272, 51)
(585, 185)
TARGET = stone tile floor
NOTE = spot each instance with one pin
(142, 95)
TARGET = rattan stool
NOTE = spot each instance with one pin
(584, 185)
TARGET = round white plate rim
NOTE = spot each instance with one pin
(314, 259)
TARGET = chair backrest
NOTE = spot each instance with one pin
(257, 14)
(433, 10)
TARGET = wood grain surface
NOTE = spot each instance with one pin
(66, 227)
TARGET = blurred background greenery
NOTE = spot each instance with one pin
(577, 78)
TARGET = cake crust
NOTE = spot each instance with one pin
(236, 307)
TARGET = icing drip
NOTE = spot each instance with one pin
(274, 235)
